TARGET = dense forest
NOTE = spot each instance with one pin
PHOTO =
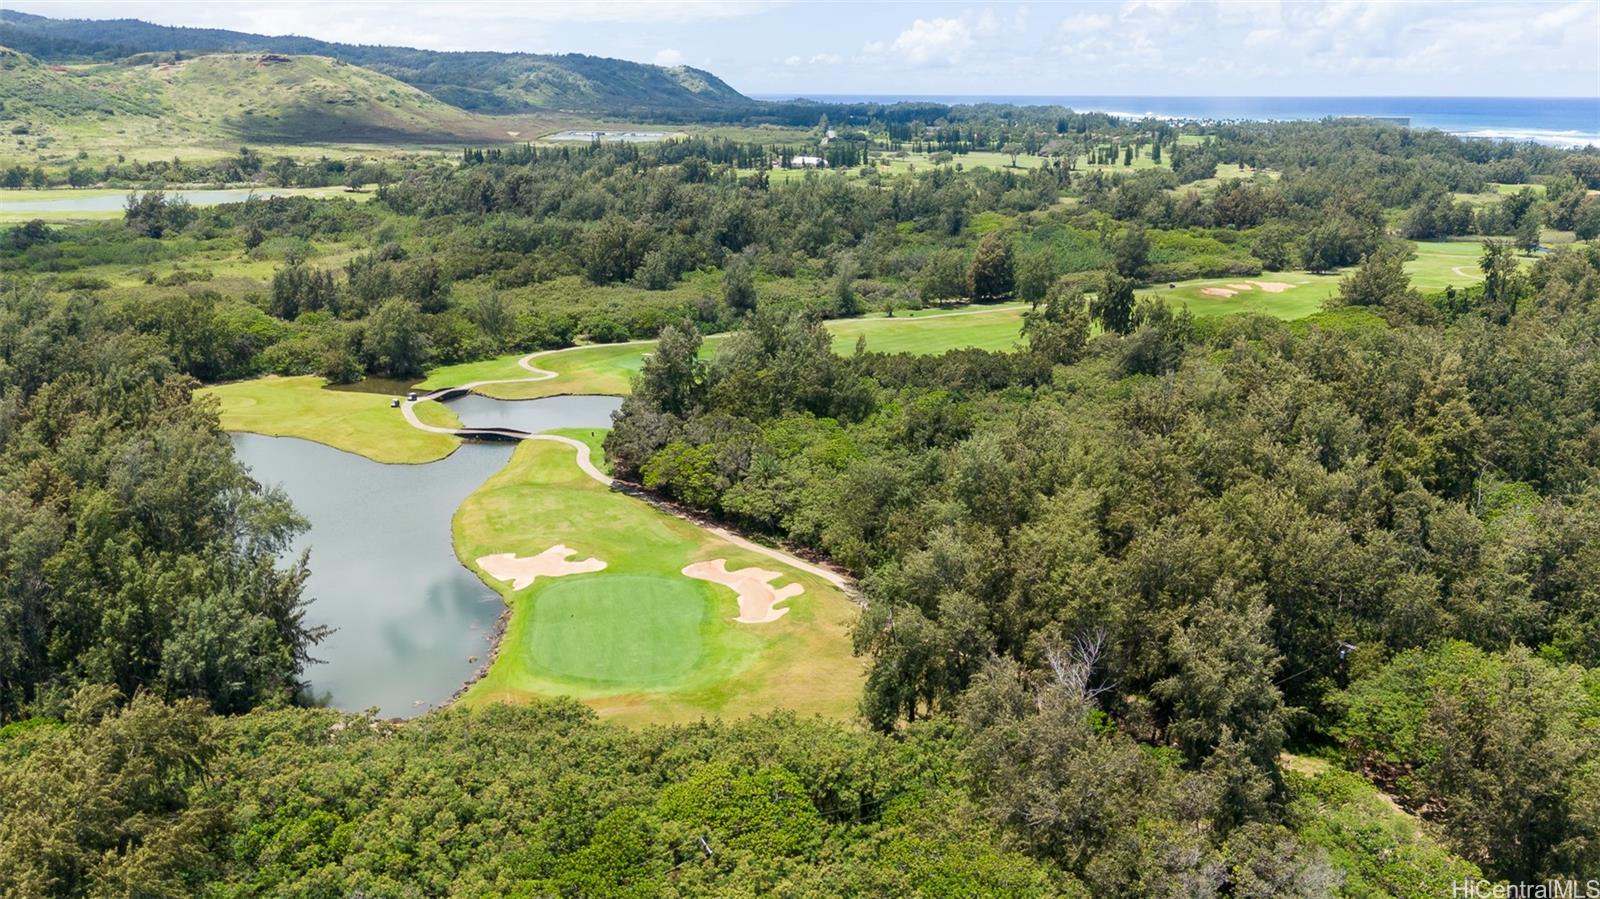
(1157, 603)
(534, 247)
(1213, 530)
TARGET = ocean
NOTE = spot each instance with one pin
(1556, 121)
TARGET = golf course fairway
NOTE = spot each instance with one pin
(360, 423)
(640, 641)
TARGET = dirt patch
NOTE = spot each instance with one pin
(1218, 292)
(522, 570)
(757, 597)
(1240, 287)
(1274, 286)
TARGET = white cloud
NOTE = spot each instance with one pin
(826, 59)
(410, 23)
(792, 61)
(1262, 37)
(933, 42)
(1085, 22)
(668, 57)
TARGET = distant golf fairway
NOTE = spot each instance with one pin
(639, 640)
(609, 368)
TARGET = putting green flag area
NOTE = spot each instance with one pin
(638, 639)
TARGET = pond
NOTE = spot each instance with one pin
(631, 137)
(408, 619)
(99, 201)
(411, 623)
(536, 415)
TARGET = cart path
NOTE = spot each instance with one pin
(586, 464)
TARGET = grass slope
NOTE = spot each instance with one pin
(640, 641)
(486, 81)
(224, 99)
(355, 422)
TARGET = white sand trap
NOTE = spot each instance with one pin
(1240, 287)
(1218, 292)
(754, 586)
(1274, 286)
(521, 570)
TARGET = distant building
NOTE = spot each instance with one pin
(802, 162)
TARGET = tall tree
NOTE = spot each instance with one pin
(991, 276)
(1112, 307)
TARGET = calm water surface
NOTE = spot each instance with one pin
(117, 201)
(411, 623)
(536, 415)
(408, 616)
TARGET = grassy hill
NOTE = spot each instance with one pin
(222, 99)
(480, 82)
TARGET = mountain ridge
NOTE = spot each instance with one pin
(215, 99)
(489, 82)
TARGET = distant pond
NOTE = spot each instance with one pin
(411, 623)
(103, 202)
(631, 137)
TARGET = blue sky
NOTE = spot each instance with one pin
(1138, 47)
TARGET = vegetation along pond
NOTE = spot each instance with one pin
(411, 624)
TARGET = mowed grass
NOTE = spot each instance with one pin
(1445, 263)
(360, 423)
(595, 438)
(1435, 266)
(597, 369)
(1304, 295)
(609, 368)
(639, 641)
(997, 328)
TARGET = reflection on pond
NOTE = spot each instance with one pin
(412, 624)
(101, 202)
(408, 616)
(536, 415)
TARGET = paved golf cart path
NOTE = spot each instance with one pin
(586, 462)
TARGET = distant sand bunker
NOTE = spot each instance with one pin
(1241, 287)
(521, 570)
(754, 586)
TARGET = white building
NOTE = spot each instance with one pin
(802, 162)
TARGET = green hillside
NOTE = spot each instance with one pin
(480, 81)
(221, 99)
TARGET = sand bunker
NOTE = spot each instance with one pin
(1274, 286)
(754, 586)
(521, 570)
(1241, 287)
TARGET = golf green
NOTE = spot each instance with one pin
(618, 630)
